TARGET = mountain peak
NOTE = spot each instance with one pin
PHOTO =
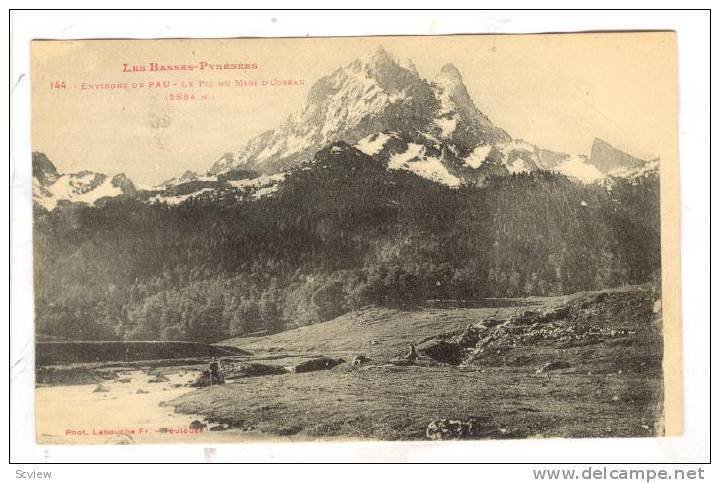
(601, 143)
(51, 188)
(380, 56)
(124, 183)
(381, 52)
(450, 80)
(607, 158)
(449, 71)
(373, 94)
(42, 168)
(374, 59)
(383, 68)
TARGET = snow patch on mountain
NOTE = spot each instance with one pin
(413, 152)
(177, 199)
(519, 156)
(261, 181)
(478, 155)
(578, 168)
(519, 165)
(373, 144)
(149, 188)
(636, 172)
(433, 169)
(267, 190)
(447, 126)
(415, 160)
(86, 187)
(516, 156)
(633, 174)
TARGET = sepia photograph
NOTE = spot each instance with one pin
(402, 238)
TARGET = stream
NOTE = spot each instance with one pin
(129, 411)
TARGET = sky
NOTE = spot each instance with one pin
(558, 91)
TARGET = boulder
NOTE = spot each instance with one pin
(197, 425)
(553, 366)
(359, 360)
(250, 369)
(318, 364)
(442, 351)
(100, 388)
(560, 312)
(493, 322)
(204, 380)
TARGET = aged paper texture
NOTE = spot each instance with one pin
(368, 238)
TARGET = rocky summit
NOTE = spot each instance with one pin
(430, 127)
(51, 188)
(384, 109)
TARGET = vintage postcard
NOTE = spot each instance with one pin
(363, 238)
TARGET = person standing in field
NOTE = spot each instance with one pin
(214, 372)
(412, 354)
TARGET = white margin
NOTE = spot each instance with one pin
(693, 30)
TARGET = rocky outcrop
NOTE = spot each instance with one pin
(448, 429)
(583, 321)
(453, 350)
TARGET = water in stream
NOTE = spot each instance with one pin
(131, 411)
